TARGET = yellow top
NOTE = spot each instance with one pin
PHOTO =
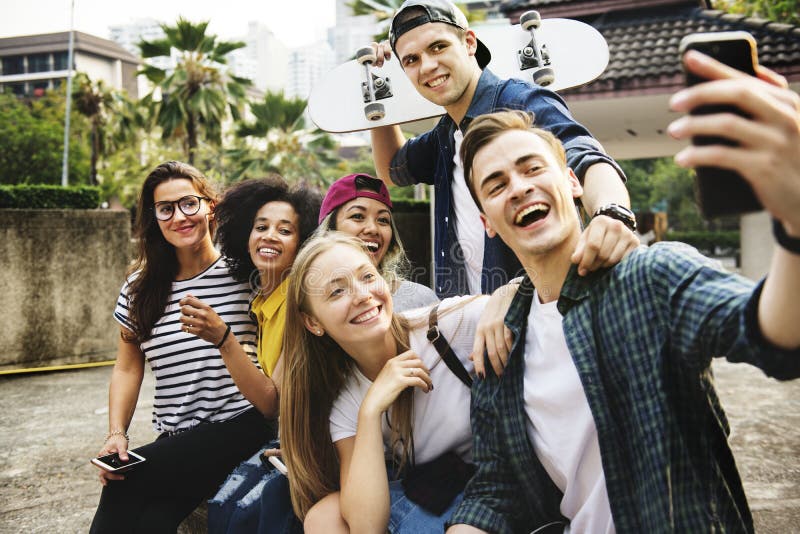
(270, 312)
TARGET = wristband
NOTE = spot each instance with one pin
(224, 337)
(788, 243)
(113, 433)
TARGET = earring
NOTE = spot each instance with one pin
(319, 332)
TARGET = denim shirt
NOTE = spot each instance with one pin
(428, 159)
(641, 335)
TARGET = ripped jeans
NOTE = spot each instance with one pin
(254, 498)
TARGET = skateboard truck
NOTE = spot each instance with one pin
(532, 56)
(375, 87)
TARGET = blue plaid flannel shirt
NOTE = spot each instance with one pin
(642, 336)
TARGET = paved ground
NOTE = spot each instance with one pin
(51, 424)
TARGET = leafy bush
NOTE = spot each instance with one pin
(34, 196)
(708, 242)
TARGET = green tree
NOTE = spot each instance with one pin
(199, 94)
(277, 140)
(787, 11)
(115, 122)
(32, 133)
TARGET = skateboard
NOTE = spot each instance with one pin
(555, 53)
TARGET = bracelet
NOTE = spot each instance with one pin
(113, 433)
(224, 337)
(788, 243)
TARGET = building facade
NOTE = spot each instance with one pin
(32, 64)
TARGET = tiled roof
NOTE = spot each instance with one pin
(647, 46)
(643, 43)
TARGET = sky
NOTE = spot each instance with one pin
(294, 23)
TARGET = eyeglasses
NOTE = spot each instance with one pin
(189, 205)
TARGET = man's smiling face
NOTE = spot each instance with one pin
(438, 61)
(526, 194)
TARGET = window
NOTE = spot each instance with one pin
(13, 65)
(60, 60)
(38, 88)
(17, 88)
(39, 63)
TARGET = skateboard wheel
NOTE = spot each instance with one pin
(544, 76)
(365, 55)
(374, 112)
(530, 20)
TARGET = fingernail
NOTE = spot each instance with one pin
(681, 158)
(678, 100)
(677, 128)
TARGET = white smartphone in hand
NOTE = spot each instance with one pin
(114, 464)
(279, 465)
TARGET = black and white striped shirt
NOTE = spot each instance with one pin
(192, 383)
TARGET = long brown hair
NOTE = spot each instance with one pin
(314, 373)
(157, 262)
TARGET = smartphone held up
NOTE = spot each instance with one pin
(721, 191)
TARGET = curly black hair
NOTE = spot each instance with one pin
(238, 208)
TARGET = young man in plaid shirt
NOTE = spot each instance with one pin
(604, 417)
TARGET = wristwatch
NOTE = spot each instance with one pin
(620, 213)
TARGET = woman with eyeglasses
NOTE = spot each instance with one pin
(205, 424)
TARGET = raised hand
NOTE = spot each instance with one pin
(200, 319)
(603, 243)
(403, 371)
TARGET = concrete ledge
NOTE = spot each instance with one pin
(62, 270)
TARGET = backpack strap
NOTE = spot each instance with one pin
(444, 349)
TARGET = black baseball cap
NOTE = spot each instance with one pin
(434, 11)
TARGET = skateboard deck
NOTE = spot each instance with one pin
(565, 54)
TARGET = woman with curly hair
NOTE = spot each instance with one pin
(262, 224)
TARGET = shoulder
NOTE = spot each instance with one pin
(410, 295)
(460, 315)
(669, 256)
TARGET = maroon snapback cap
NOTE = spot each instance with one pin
(353, 186)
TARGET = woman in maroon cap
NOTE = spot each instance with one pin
(359, 205)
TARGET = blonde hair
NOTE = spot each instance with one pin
(315, 370)
(393, 266)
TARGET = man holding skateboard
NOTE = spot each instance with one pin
(605, 418)
(446, 64)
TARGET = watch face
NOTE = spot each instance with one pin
(620, 213)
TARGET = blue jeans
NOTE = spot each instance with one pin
(254, 498)
(407, 517)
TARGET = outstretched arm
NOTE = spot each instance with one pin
(767, 156)
(126, 381)
(386, 141)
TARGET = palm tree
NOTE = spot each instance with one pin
(198, 93)
(114, 119)
(286, 147)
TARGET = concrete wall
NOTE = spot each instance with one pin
(60, 277)
(757, 244)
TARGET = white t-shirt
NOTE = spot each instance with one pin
(560, 423)
(441, 417)
(192, 383)
(469, 229)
